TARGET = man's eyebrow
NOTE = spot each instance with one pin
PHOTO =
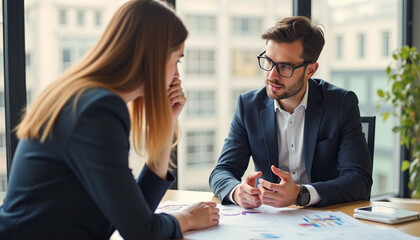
(287, 63)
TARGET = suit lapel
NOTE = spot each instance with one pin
(313, 118)
(269, 128)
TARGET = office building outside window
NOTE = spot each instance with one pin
(201, 25)
(247, 26)
(361, 47)
(73, 49)
(243, 63)
(98, 18)
(200, 104)
(227, 39)
(385, 44)
(80, 18)
(200, 62)
(62, 17)
(369, 30)
(200, 148)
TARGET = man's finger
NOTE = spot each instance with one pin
(251, 190)
(272, 187)
(250, 179)
(282, 174)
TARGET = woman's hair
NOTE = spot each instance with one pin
(295, 28)
(132, 51)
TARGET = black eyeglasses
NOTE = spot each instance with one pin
(283, 69)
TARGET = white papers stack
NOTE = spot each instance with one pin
(267, 222)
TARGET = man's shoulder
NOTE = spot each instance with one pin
(330, 93)
(326, 86)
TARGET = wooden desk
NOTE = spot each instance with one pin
(412, 227)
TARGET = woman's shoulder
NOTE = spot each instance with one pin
(102, 98)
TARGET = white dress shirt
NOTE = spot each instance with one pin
(290, 131)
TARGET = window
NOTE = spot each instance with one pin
(80, 18)
(339, 42)
(220, 62)
(366, 26)
(72, 49)
(62, 17)
(28, 61)
(200, 148)
(200, 62)
(201, 104)
(201, 25)
(361, 47)
(244, 63)
(66, 59)
(2, 140)
(98, 18)
(246, 26)
(385, 44)
(59, 44)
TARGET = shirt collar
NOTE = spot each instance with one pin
(303, 102)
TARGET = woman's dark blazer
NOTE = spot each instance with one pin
(78, 184)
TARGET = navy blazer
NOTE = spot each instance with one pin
(78, 184)
(335, 152)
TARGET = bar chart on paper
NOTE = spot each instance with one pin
(321, 222)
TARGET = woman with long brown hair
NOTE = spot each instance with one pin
(70, 177)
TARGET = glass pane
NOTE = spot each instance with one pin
(3, 162)
(220, 62)
(360, 37)
(69, 29)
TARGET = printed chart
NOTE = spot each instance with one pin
(322, 222)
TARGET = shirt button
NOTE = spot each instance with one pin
(293, 172)
(291, 145)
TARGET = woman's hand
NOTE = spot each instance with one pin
(176, 97)
(198, 216)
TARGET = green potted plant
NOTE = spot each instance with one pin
(404, 76)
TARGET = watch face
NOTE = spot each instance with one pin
(304, 197)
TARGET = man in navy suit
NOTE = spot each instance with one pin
(304, 135)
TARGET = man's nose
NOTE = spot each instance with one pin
(273, 73)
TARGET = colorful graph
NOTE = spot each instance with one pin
(321, 222)
(227, 212)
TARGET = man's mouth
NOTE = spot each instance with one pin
(274, 86)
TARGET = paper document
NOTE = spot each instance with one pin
(268, 222)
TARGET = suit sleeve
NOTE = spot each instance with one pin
(233, 160)
(354, 166)
(97, 152)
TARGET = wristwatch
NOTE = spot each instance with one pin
(304, 197)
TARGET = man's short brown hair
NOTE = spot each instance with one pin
(295, 28)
